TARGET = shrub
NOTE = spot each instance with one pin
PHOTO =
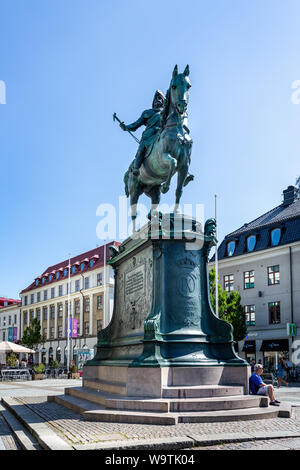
(39, 369)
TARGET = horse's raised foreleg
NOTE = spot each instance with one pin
(182, 173)
(172, 163)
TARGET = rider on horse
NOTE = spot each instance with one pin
(151, 118)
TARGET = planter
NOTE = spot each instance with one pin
(75, 375)
(38, 377)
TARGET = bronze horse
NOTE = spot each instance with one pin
(170, 152)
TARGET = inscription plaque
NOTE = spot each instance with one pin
(135, 282)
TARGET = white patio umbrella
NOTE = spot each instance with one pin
(7, 346)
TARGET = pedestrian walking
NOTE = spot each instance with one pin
(282, 372)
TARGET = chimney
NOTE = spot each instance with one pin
(289, 195)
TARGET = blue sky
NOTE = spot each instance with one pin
(68, 65)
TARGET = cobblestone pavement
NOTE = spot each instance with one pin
(72, 427)
(75, 430)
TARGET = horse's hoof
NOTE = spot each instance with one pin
(165, 188)
(188, 179)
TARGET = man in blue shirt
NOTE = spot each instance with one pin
(258, 387)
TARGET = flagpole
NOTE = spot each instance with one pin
(104, 281)
(216, 262)
(68, 320)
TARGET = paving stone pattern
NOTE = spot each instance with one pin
(75, 430)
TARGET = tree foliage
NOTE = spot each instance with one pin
(32, 336)
(230, 308)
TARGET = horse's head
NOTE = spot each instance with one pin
(179, 89)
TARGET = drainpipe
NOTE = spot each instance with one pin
(291, 288)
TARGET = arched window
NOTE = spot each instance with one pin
(275, 236)
(230, 248)
(251, 242)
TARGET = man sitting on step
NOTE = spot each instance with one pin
(258, 387)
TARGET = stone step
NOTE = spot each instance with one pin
(93, 412)
(105, 386)
(202, 391)
(165, 405)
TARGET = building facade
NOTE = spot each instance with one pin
(75, 295)
(261, 260)
(10, 315)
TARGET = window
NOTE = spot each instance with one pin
(52, 292)
(251, 242)
(92, 262)
(99, 279)
(65, 272)
(37, 282)
(228, 282)
(32, 315)
(38, 314)
(77, 307)
(32, 299)
(87, 283)
(52, 332)
(52, 312)
(9, 320)
(15, 319)
(86, 327)
(82, 266)
(99, 302)
(250, 315)
(45, 332)
(275, 236)
(45, 313)
(77, 286)
(73, 269)
(25, 300)
(5, 303)
(25, 317)
(274, 312)
(4, 321)
(248, 279)
(3, 336)
(50, 277)
(230, 248)
(38, 297)
(60, 290)
(99, 325)
(43, 280)
(60, 331)
(60, 310)
(86, 304)
(273, 275)
(57, 275)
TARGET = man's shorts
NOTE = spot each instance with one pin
(263, 390)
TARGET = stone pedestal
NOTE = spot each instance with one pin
(163, 331)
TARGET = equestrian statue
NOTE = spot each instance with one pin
(165, 147)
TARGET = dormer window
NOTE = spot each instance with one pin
(92, 262)
(82, 266)
(275, 236)
(37, 282)
(65, 272)
(251, 242)
(57, 275)
(230, 248)
(73, 269)
(43, 280)
(50, 277)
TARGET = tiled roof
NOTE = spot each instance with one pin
(9, 302)
(97, 254)
(286, 216)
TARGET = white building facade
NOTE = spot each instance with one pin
(261, 260)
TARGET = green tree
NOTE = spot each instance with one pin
(32, 336)
(230, 308)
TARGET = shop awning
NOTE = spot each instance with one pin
(249, 346)
(275, 345)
